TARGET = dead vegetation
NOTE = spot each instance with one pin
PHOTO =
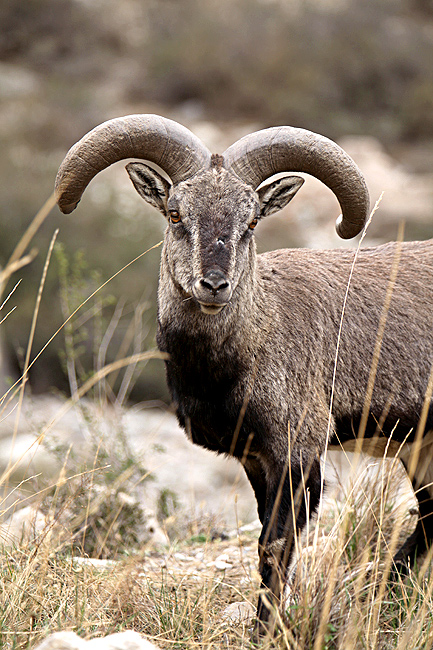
(338, 67)
(341, 594)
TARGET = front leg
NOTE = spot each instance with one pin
(257, 477)
(287, 509)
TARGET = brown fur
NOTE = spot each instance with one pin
(279, 336)
(253, 341)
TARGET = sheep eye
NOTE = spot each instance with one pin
(253, 224)
(174, 216)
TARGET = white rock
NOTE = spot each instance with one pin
(222, 566)
(222, 562)
(238, 614)
(93, 562)
(182, 557)
(23, 526)
(122, 641)
(222, 558)
(25, 454)
(62, 641)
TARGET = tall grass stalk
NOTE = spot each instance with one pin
(340, 595)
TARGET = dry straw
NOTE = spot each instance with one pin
(340, 594)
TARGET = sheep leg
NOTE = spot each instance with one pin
(291, 498)
(422, 537)
(256, 476)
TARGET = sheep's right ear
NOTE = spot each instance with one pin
(276, 195)
(150, 185)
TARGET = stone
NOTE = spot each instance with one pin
(23, 526)
(238, 614)
(122, 641)
(62, 641)
(222, 562)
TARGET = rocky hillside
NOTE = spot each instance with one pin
(344, 68)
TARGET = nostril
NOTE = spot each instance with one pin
(214, 282)
(214, 286)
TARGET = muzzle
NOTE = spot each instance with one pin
(213, 291)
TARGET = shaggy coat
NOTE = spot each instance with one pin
(273, 356)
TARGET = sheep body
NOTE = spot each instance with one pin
(282, 340)
(268, 357)
(267, 362)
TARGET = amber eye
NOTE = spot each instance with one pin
(253, 224)
(174, 216)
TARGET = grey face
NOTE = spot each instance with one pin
(210, 234)
(211, 218)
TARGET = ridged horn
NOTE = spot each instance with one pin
(259, 155)
(157, 139)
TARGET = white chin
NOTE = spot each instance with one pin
(211, 309)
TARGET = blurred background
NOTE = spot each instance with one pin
(358, 71)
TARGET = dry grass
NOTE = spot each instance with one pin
(45, 591)
(340, 595)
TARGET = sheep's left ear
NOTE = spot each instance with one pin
(277, 194)
(150, 185)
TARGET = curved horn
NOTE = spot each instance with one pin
(259, 155)
(164, 142)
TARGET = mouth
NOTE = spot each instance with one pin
(211, 309)
(212, 292)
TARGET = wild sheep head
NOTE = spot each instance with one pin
(213, 202)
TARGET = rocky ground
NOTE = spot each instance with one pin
(38, 437)
(216, 551)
